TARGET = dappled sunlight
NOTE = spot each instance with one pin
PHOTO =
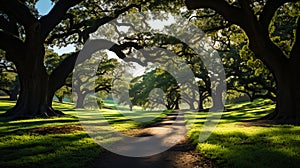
(27, 141)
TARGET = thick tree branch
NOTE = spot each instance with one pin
(90, 26)
(117, 49)
(11, 44)
(269, 10)
(259, 41)
(295, 53)
(230, 13)
(61, 36)
(19, 11)
(99, 22)
(54, 17)
(59, 75)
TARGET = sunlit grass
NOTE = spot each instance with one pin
(21, 147)
(232, 144)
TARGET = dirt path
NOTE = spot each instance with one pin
(182, 155)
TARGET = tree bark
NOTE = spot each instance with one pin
(60, 99)
(217, 99)
(33, 96)
(287, 108)
(14, 94)
(200, 103)
(80, 100)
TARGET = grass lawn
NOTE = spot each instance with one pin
(60, 141)
(235, 145)
(54, 142)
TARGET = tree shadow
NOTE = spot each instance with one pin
(49, 151)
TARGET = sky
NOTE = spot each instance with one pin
(44, 6)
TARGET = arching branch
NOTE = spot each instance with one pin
(230, 13)
(11, 44)
(269, 10)
(19, 11)
(54, 17)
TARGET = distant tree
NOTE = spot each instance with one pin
(85, 84)
(245, 73)
(156, 79)
(9, 81)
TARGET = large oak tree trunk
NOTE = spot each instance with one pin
(34, 97)
(288, 98)
(285, 71)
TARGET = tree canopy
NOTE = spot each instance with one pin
(261, 20)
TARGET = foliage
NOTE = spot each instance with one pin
(9, 82)
(84, 83)
(143, 92)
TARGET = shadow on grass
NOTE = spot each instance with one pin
(240, 112)
(68, 150)
(248, 105)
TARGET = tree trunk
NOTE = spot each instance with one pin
(287, 103)
(33, 96)
(14, 93)
(176, 105)
(217, 99)
(60, 99)
(200, 104)
(80, 100)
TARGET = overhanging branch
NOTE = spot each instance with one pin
(11, 44)
(19, 11)
(54, 17)
(230, 13)
(269, 10)
(296, 47)
(99, 22)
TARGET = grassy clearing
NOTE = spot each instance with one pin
(235, 145)
(40, 142)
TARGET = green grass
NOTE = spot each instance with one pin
(230, 145)
(20, 146)
(235, 145)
